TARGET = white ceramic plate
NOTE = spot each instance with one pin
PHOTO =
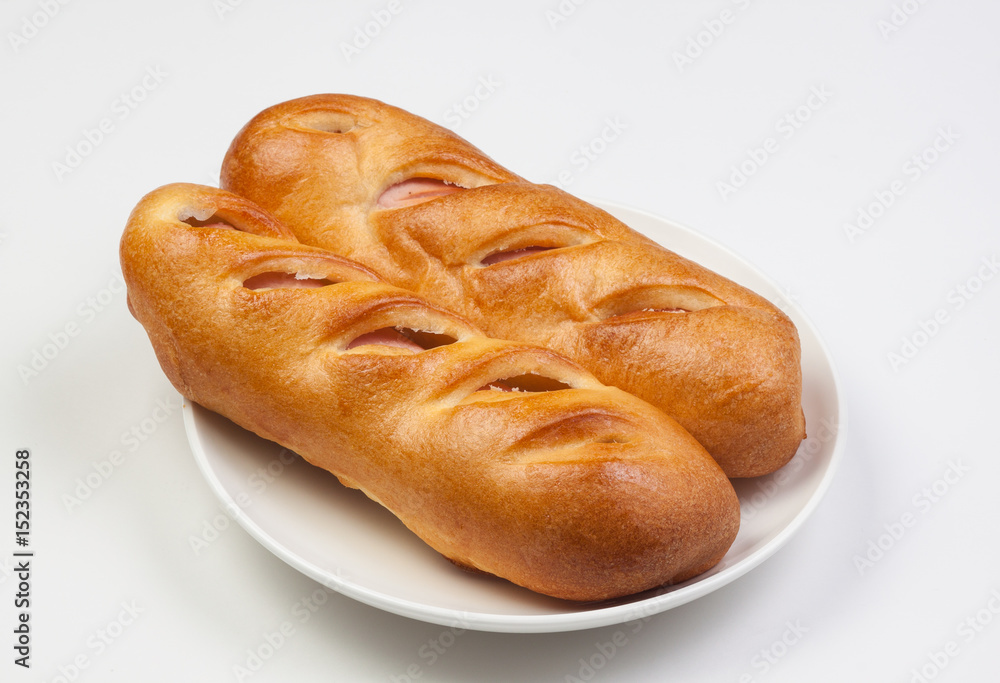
(348, 543)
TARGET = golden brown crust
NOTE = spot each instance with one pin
(582, 492)
(726, 365)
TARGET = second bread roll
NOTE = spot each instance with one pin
(430, 212)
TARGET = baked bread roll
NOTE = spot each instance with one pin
(431, 213)
(504, 457)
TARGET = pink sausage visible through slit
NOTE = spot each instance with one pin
(279, 280)
(390, 336)
(387, 336)
(415, 191)
(502, 256)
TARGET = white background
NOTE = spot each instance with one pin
(558, 73)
